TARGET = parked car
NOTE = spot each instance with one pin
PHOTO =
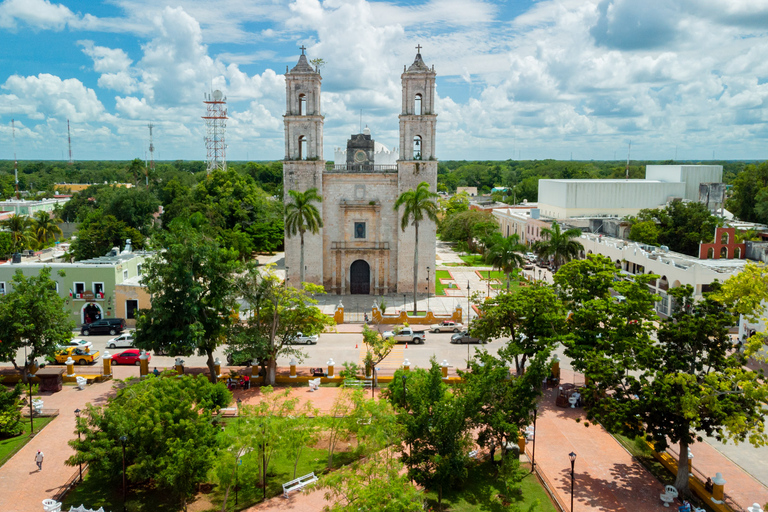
(304, 340)
(464, 337)
(104, 326)
(130, 356)
(123, 341)
(78, 355)
(77, 342)
(446, 326)
(406, 334)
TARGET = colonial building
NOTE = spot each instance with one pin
(361, 248)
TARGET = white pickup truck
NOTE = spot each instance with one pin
(299, 338)
(406, 334)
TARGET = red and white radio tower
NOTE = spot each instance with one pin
(215, 128)
(69, 143)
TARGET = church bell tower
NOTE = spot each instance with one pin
(417, 163)
(303, 165)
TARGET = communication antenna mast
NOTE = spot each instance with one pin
(215, 128)
(69, 141)
(15, 162)
(151, 156)
(626, 172)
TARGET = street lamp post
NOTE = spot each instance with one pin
(29, 382)
(237, 462)
(539, 274)
(572, 456)
(77, 422)
(286, 276)
(404, 309)
(535, 435)
(427, 288)
(123, 439)
(469, 316)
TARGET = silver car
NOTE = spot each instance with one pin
(122, 341)
(464, 337)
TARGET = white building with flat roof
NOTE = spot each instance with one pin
(562, 199)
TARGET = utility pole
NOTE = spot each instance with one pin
(626, 172)
(69, 142)
(15, 162)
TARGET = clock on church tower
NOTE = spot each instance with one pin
(360, 150)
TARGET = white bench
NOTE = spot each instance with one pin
(299, 483)
(356, 383)
(37, 406)
(529, 433)
(81, 382)
(314, 384)
(669, 495)
(473, 454)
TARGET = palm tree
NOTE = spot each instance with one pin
(418, 204)
(45, 227)
(506, 255)
(558, 245)
(20, 228)
(302, 216)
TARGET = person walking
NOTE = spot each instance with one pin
(39, 460)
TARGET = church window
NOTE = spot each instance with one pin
(302, 148)
(359, 229)
(302, 105)
(417, 147)
(417, 105)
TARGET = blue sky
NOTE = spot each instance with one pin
(516, 78)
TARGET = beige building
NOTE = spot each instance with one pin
(361, 248)
(130, 296)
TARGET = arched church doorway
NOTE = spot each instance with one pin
(90, 313)
(360, 278)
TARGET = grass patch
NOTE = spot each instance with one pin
(440, 287)
(502, 278)
(11, 445)
(473, 260)
(480, 490)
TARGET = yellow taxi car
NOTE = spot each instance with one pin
(79, 355)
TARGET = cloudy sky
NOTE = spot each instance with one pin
(516, 78)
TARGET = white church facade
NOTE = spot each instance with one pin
(361, 248)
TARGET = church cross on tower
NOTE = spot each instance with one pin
(418, 48)
(302, 48)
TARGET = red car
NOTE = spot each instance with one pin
(130, 356)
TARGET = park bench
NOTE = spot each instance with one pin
(37, 405)
(299, 483)
(81, 382)
(357, 383)
(229, 412)
(529, 433)
(473, 454)
(669, 495)
(314, 384)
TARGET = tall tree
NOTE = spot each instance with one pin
(418, 205)
(533, 319)
(436, 429)
(302, 216)
(45, 227)
(558, 245)
(680, 226)
(20, 227)
(691, 382)
(194, 305)
(507, 254)
(274, 314)
(33, 318)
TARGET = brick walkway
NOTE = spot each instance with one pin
(30, 487)
(606, 475)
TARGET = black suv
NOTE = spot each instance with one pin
(104, 326)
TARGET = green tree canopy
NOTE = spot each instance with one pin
(558, 245)
(680, 226)
(99, 233)
(194, 306)
(171, 439)
(32, 317)
(507, 254)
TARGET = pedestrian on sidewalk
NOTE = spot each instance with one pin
(39, 460)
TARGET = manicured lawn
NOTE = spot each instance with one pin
(11, 445)
(502, 284)
(479, 492)
(439, 287)
(474, 260)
